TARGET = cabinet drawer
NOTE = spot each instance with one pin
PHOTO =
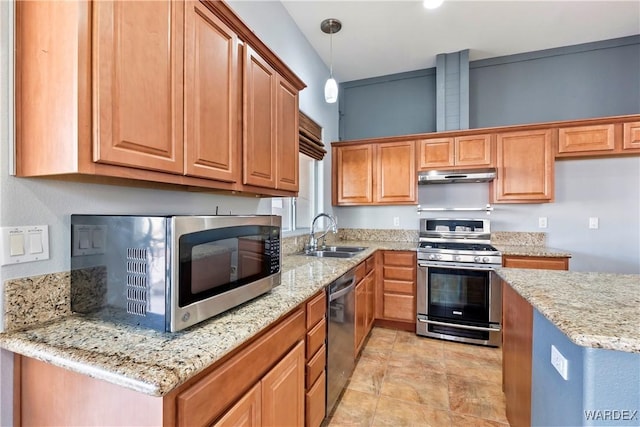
(315, 403)
(316, 337)
(316, 309)
(399, 307)
(407, 259)
(316, 366)
(399, 273)
(397, 287)
(545, 263)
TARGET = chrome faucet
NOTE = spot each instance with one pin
(313, 241)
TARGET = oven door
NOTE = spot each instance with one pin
(459, 302)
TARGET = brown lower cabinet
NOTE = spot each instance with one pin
(263, 383)
(517, 345)
(396, 289)
(540, 262)
(365, 301)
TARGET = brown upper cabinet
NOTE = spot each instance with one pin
(374, 173)
(456, 152)
(153, 91)
(631, 137)
(524, 163)
(599, 140)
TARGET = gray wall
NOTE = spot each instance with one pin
(597, 380)
(598, 79)
(385, 106)
(40, 201)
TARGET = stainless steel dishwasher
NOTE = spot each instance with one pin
(340, 332)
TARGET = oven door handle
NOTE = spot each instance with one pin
(474, 328)
(456, 266)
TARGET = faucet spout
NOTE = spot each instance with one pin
(333, 227)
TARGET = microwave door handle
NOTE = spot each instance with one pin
(452, 325)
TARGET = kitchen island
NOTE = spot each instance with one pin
(589, 325)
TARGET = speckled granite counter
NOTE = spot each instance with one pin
(599, 310)
(531, 250)
(154, 363)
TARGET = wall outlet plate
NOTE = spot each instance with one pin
(594, 223)
(24, 244)
(542, 222)
(559, 362)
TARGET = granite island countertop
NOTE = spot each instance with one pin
(599, 310)
(155, 363)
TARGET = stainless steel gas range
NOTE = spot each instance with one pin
(458, 298)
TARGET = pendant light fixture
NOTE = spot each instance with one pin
(330, 26)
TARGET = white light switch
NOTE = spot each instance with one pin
(16, 240)
(24, 244)
(35, 242)
(594, 223)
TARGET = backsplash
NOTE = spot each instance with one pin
(38, 299)
(379, 235)
(517, 238)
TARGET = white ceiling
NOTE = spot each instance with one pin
(387, 37)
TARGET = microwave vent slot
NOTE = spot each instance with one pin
(136, 280)
(137, 308)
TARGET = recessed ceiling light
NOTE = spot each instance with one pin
(432, 4)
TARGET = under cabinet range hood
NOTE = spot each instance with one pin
(450, 177)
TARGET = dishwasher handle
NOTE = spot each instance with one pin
(343, 291)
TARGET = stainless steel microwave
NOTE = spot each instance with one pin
(171, 272)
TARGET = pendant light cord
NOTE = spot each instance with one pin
(331, 52)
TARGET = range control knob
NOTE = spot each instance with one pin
(485, 259)
(432, 256)
(438, 256)
(477, 259)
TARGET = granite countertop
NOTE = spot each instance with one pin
(531, 250)
(154, 363)
(599, 310)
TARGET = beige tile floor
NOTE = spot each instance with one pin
(405, 380)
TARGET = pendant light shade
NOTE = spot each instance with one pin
(331, 91)
(330, 26)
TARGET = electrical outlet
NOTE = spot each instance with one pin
(396, 221)
(594, 222)
(542, 222)
(559, 362)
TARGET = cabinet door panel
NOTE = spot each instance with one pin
(283, 395)
(247, 412)
(585, 139)
(399, 307)
(395, 172)
(436, 153)
(517, 345)
(352, 174)
(525, 167)
(138, 78)
(259, 148)
(473, 150)
(287, 137)
(211, 96)
(631, 136)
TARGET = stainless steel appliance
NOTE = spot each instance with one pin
(455, 176)
(171, 272)
(341, 336)
(457, 297)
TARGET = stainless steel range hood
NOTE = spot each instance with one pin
(451, 177)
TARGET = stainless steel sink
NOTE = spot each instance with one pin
(335, 251)
(354, 249)
(330, 254)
